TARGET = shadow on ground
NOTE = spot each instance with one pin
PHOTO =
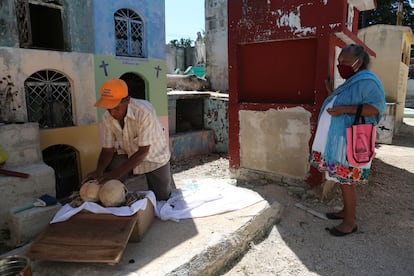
(299, 244)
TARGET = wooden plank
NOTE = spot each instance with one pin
(75, 253)
(14, 173)
(85, 237)
(90, 229)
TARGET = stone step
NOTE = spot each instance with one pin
(21, 143)
(26, 225)
(16, 191)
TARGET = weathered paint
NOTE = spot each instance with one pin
(280, 53)
(89, 41)
(9, 36)
(77, 15)
(21, 63)
(152, 12)
(216, 44)
(275, 140)
(393, 46)
(292, 19)
(21, 144)
(190, 144)
(216, 118)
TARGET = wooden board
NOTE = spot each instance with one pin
(85, 237)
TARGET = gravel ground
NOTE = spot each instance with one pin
(299, 245)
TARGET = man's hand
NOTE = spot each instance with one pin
(91, 176)
(106, 177)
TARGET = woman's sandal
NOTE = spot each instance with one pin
(335, 232)
(333, 216)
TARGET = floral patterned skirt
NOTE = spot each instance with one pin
(342, 173)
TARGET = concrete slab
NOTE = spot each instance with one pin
(199, 246)
(16, 192)
(26, 225)
(189, 144)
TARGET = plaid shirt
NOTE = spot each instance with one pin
(141, 128)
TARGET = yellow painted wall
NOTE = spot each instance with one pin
(84, 139)
(392, 47)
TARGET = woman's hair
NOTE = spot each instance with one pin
(358, 52)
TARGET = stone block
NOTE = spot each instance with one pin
(26, 225)
(21, 143)
(188, 144)
(15, 191)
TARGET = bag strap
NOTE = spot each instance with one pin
(358, 115)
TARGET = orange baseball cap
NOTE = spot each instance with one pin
(112, 92)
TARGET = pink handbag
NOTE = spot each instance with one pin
(360, 141)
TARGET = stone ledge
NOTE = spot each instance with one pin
(21, 143)
(26, 225)
(15, 191)
(214, 258)
(188, 144)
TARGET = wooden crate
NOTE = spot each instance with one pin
(89, 237)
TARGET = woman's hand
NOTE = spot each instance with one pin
(337, 110)
(329, 85)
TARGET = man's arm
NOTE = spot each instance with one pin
(104, 160)
(367, 110)
(129, 164)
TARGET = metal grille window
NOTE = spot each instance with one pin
(48, 99)
(40, 24)
(23, 22)
(129, 33)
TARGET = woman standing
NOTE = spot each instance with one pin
(338, 111)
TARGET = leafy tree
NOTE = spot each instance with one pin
(386, 13)
(183, 42)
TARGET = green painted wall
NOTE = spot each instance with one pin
(151, 70)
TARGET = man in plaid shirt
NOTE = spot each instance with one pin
(134, 148)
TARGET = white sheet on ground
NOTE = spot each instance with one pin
(205, 198)
(200, 198)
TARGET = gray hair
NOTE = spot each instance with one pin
(358, 52)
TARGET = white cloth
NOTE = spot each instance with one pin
(67, 211)
(205, 198)
(321, 135)
(202, 198)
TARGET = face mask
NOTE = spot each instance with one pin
(346, 71)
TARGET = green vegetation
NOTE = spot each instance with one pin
(386, 13)
(183, 42)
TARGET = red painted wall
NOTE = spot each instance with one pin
(283, 78)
